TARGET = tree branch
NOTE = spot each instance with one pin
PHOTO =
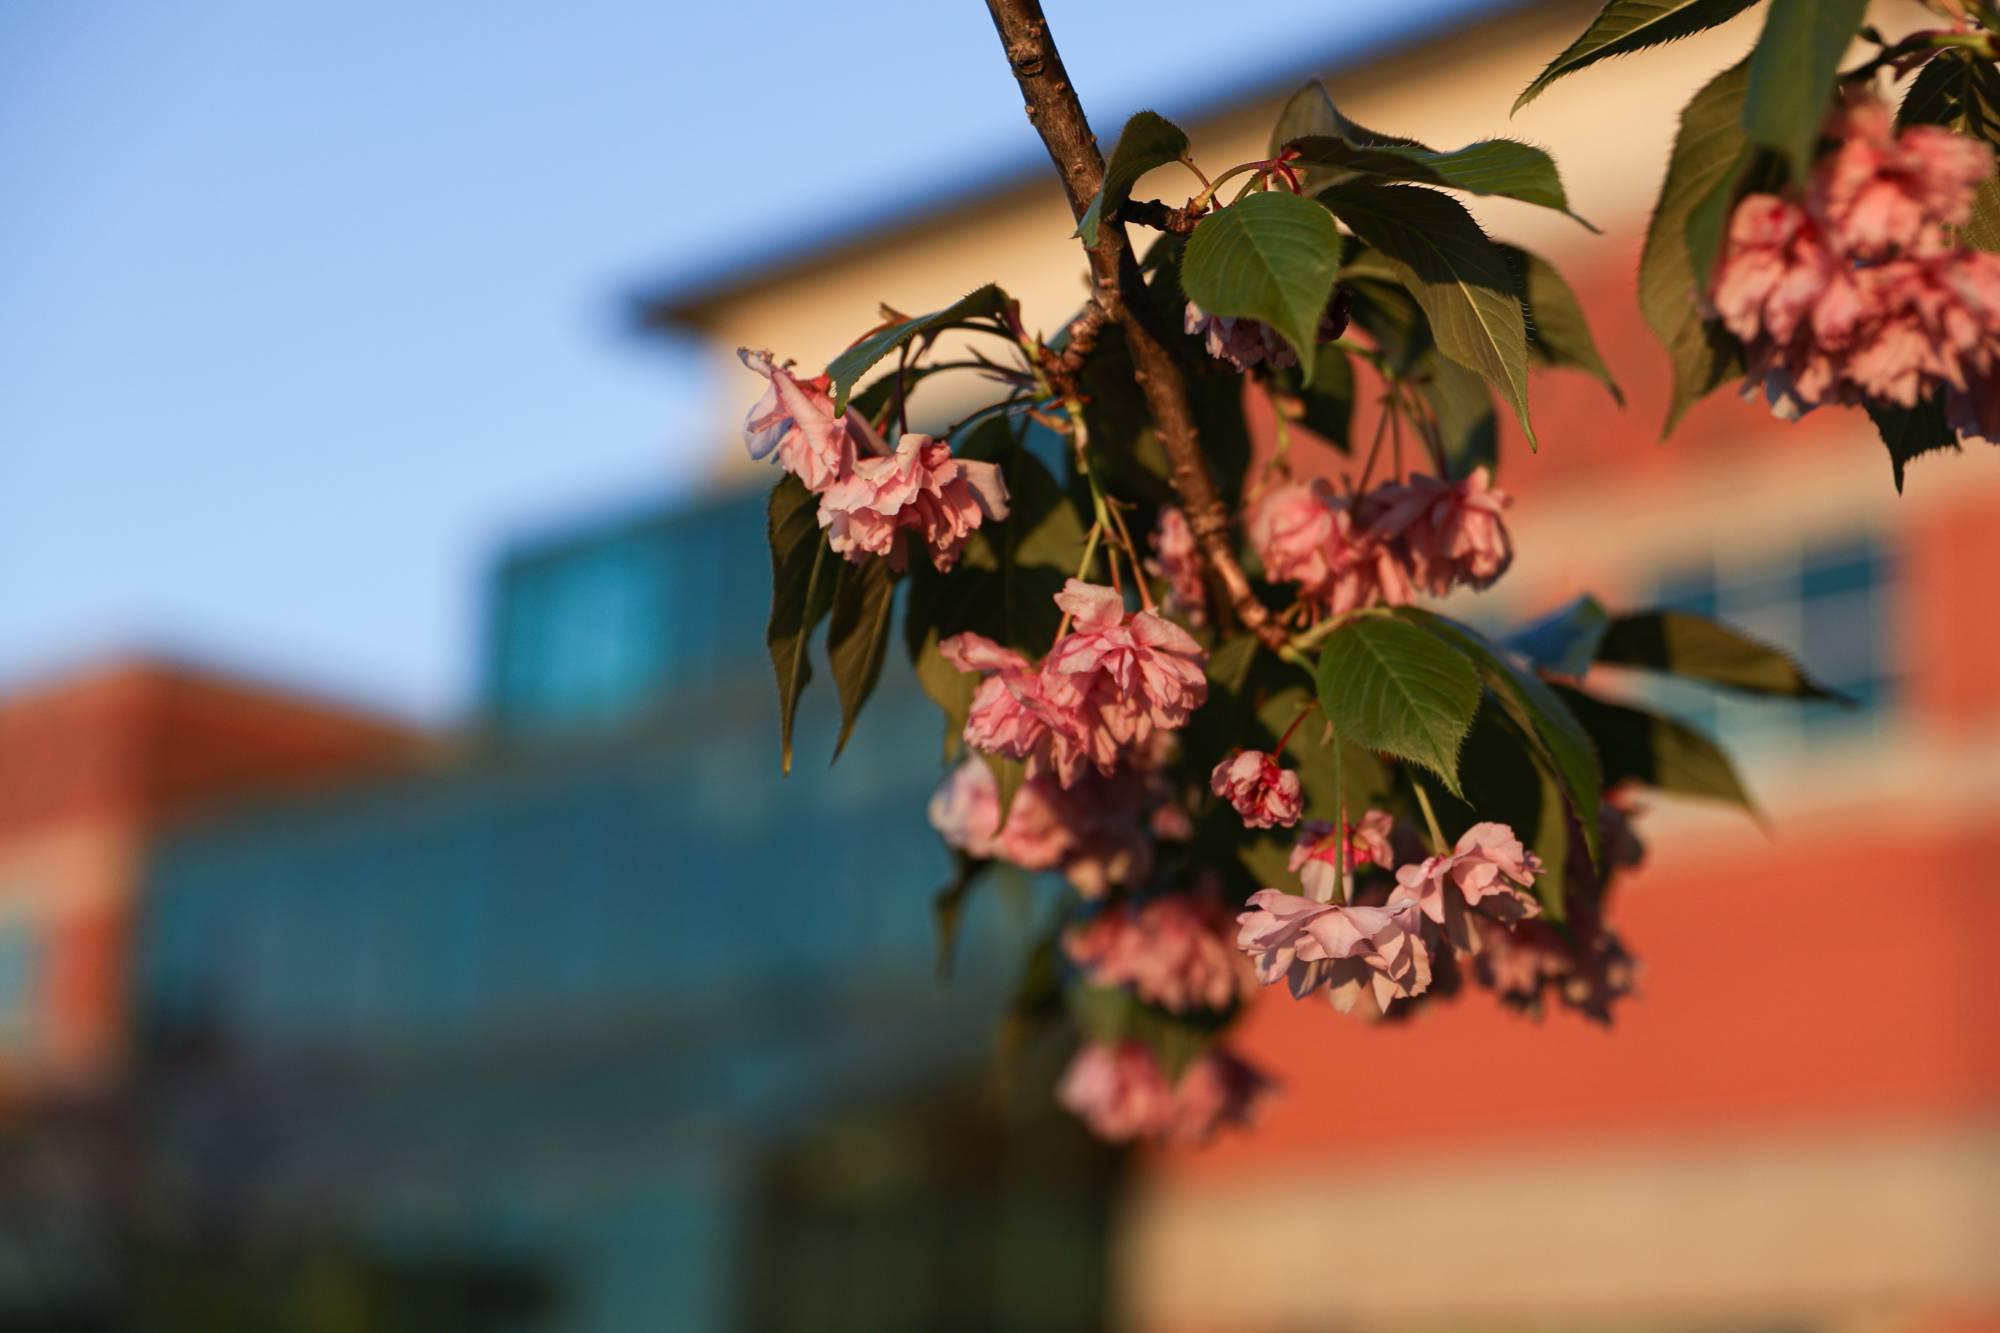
(1058, 117)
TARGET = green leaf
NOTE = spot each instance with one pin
(1961, 92)
(1506, 168)
(1271, 256)
(847, 368)
(1550, 839)
(1311, 112)
(1146, 142)
(1557, 740)
(1458, 276)
(1910, 432)
(857, 636)
(1707, 154)
(1558, 333)
(801, 593)
(1791, 75)
(1383, 308)
(1658, 752)
(1466, 420)
(948, 907)
(1682, 644)
(1388, 686)
(1564, 641)
(1624, 26)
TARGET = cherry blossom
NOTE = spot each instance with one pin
(1266, 795)
(1177, 561)
(1174, 951)
(1315, 856)
(1452, 531)
(1879, 191)
(1345, 949)
(1116, 677)
(1122, 1094)
(1484, 874)
(920, 488)
(795, 418)
(1096, 833)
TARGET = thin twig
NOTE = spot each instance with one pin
(1058, 117)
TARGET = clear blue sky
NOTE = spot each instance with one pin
(305, 307)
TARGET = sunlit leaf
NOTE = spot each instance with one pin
(1682, 644)
(1271, 257)
(1391, 687)
(1791, 74)
(1624, 26)
(852, 364)
(1655, 751)
(1146, 142)
(1506, 168)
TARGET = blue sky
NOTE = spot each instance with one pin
(309, 306)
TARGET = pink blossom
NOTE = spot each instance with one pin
(1310, 944)
(1266, 795)
(795, 417)
(1095, 832)
(920, 488)
(1588, 968)
(1115, 678)
(1315, 856)
(1878, 191)
(1008, 715)
(1122, 1094)
(1177, 561)
(1452, 530)
(1485, 874)
(1173, 951)
(1243, 343)
(1329, 545)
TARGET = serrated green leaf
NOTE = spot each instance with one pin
(1311, 112)
(1506, 168)
(1910, 432)
(1679, 643)
(1146, 142)
(1624, 26)
(1566, 640)
(1383, 308)
(1641, 746)
(801, 594)
(1791, 74)
(852, 364)
(857, 636)
(1270, 256)
(1707, 153)
(1467, 424)
(1558, 333)
(1390, 687)
(1458, 276)
(1961, 92)
(1561, 747)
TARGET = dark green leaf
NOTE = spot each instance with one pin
(1655, 751)
(1383, 308)
(1328, 402)
(801, 593)
(1557, 740)
(1506, 168)
(1553, 821)
(1311, 113)
(1458, 276)
(1146, 142)
(1390, 687)
(1706, 156)
(853, 363)
(1272, 257)
(1625, 26)
(1910, 432)
(1466, 421)
(1961, 92)
(1681, 644)
(948, 906)
(1565, 641)
(1791, 74)
(857, 636)
(1558, 334)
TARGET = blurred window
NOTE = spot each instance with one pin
(17, 983)
(1829, 604)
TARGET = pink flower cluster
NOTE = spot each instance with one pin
(1177, 561)
(1316, 855)
(1347, 950)
(1103, 691)
(1173, 951)
(1098, 832)
(1860, 293)
(1485, 875)
(1121, 1092)
(1383, 546)
(868, 495)
(1266, 795)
